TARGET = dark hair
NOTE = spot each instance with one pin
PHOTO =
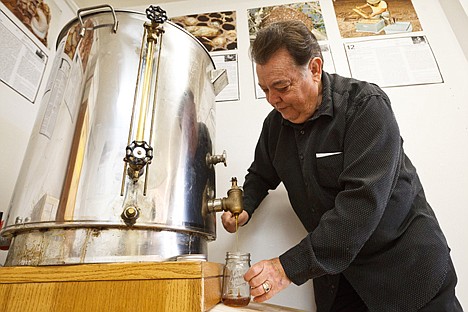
(292, 35)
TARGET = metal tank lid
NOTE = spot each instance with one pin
(101, 9)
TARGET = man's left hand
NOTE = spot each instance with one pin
(266, 278)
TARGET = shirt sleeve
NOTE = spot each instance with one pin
(261, 176)
(372, 154)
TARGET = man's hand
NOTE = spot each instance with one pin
(266, 278)
(229, 221)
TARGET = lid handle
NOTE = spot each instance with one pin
(80, 12)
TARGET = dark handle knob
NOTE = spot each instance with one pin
(156, 14)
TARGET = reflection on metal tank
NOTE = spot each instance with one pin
(119, 166)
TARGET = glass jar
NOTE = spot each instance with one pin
(236, 291)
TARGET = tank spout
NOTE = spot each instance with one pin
(233, 203)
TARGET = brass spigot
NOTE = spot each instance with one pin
(233, 203)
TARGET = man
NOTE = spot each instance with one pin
(373, 241)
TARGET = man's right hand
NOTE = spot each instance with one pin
(229, 221)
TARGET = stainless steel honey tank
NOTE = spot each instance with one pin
(74, 196)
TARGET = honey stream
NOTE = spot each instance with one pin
(240, 300)
(237, 232)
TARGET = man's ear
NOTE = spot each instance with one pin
(315, 66)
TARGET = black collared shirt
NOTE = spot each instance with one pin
(357, 194)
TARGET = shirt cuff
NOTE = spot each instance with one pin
(296, 264)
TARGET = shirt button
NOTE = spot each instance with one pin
(301, 157)
(302, 132)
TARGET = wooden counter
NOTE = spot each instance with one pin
(157, 286)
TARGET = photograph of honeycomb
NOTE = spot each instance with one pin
(34, 14)
(360, 18)
(309, 13)
(216, 31)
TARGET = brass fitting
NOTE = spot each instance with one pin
(130, 215)
(216, 159)
(233, 203)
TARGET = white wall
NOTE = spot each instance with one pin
(464, 4)
(457, 10)
(433, 121)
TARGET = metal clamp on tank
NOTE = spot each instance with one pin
(233, 203)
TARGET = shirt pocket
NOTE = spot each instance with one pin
(329, 169)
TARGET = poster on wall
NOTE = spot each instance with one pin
(230, 64)
(310, 13)
(34, 14)
(217, 32)
(22, 62)
(361, 18)
(394, 61)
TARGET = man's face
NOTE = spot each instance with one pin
(294, 91)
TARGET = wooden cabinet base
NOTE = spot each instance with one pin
(157, 286)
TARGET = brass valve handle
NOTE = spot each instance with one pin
(139, 153)
(156, 14)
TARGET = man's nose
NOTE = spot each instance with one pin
(273, 98)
